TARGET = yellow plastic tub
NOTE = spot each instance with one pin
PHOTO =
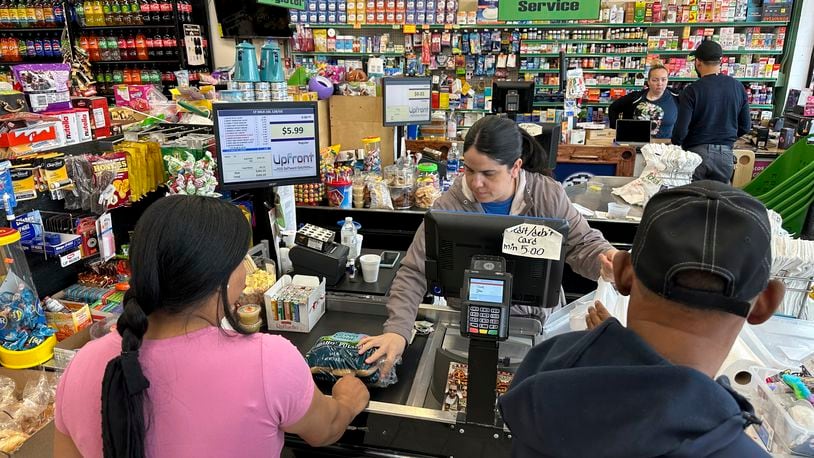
(28, 358)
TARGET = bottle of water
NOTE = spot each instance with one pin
(453, 162)
(349, 237)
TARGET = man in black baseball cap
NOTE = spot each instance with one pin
(712, 113)
(699, 270)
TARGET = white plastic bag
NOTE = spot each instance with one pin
(614, 302)
(667, 166)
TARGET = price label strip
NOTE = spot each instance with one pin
(532, 241)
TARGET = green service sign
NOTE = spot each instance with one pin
(547, 10)
(292, 4)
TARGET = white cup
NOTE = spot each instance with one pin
(370, 267)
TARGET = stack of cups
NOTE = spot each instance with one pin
(249, 317)
(279, 91)
(247, 89)
(370, 267)
(262, 91)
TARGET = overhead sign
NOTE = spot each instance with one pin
(407, 101)
(532, 241)
(292, 4)
(547, 10)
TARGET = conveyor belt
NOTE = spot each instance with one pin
(334, 321)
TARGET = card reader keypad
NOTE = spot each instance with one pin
(483, 320)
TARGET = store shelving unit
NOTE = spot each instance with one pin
(757, 52)
(349, 54)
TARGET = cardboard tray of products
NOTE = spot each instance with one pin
(41, 443)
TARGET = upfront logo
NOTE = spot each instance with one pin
(298, 159)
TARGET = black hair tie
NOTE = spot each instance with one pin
(134, 378)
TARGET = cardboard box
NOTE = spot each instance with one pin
(100, 118)
(69, 323)
(41, 443)
(600, 137)
(352, 118)
(308, 312)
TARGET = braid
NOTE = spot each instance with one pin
(123, 386)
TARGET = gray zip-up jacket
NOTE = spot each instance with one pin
(536, 195)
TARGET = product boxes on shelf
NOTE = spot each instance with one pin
(100, 118)
(68, 324)
(76, 124)
(778, 12)
(295, 304)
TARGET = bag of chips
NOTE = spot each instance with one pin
(337, 355)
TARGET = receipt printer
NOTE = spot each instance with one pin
(329, 264)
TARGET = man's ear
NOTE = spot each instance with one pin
(767, 302)
(623, 272)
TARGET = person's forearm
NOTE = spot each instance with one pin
(340, 417)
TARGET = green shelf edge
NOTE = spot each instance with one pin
(548, 25)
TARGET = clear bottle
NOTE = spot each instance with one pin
(348, 237)
(453, 162)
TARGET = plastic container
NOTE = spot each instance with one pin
(28, 358)
(559, 322)
(427, 185)
(400, 181)
(359, 188)
(617, 211)
(340, 194)
(102, 328)
(373, 154)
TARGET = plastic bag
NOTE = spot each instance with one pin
(667, 166)
(379, 195)
(337, 355)
(7, 387)
(614, 302)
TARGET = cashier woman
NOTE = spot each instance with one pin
(504, 175)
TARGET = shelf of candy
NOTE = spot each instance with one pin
(306, 40)
(737, 67)
(750, 39)
(25, 14)
(383, 12)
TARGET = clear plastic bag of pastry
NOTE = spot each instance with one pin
(379, 195)
(11, 437)
(335, 356)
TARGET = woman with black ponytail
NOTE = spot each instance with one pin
(172, 381)
(504, 173)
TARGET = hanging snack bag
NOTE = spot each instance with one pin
(111, 182)
(46, 85)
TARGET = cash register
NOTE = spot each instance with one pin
(467, 263)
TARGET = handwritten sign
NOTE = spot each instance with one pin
(532, 241)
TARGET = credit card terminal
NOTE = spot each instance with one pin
(486, 299)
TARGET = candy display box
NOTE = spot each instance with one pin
(307, 312)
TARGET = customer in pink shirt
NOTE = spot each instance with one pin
(171, 382)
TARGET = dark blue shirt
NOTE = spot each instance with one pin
(498, 208)
(662, 114)
(712, 111)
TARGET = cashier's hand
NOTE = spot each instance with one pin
(597, 313)
(606, 264)
(389, 346)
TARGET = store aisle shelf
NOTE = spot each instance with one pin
(734, 52)
(540, 55)
(32, 29)
(588, 41)
(613, 86)
(539, 70)
(548, 104)
(128, 27)
(463, 110)
(621, 70)
(741, 79)
(349, 54)
(129, 62)
(764, 106)
(609, 54)
(566, 25)
(546, 86)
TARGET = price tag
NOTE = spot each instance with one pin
(425, 27)
(70, 258)
(532, 241)
(357, 25)
(283, 131)
(409, 28)
(396, 26)
(447, 26)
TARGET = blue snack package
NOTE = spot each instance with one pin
(337, 355)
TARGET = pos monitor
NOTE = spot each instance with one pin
(406, 101)
(453, 238)
(266, 144)
(512, 97)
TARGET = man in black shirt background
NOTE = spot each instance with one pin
(712, 113)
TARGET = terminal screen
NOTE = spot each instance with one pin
(486, 290)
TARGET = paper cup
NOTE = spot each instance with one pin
(370, 267)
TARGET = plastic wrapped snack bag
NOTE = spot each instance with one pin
(337, 355)
(667, 166)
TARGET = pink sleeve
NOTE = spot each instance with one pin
(288, 383)
(59, 416)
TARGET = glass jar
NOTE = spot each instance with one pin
(400, 181)
(373, 154)
(427, 185)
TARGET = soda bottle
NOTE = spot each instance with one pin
(146, 18)
(113, 48)
(155, 76)
(127, 77)
(11, 9)
(122, 46)
(169, 44)
(47, 51)
(107, 19)
(59, 13)
(158, 46)
(93, 49)
(104, 53)
(56, 46)
(98, 13)
(22, 48)
(155, 12)
(131, 47)
(148, 42)
(4, 16)
(18, 9)
(32, 13)
(165, 7)
(5, 53)
(135, 76)
(48, 14)
(39, 14)
(109, 78)
(80, 13)
(116, 12)
(141, 47)
(30, 49)
(145, 75)
(135, 12)
(118, 78)
(14, 49)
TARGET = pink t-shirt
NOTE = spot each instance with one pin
(211, 394)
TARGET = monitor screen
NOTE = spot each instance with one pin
(486, 290)
(632, 131)
(407, 101)
(266, 144)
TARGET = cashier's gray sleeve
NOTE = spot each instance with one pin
(584, 243)
(408, 289)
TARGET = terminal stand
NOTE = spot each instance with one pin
(481, 395)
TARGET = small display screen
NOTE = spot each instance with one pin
(486, 290)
